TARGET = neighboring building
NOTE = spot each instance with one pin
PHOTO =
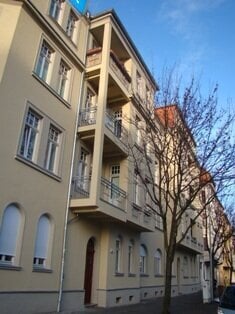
(41, 78)
(217, 259)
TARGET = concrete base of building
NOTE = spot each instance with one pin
(72, 300)
(28, 302)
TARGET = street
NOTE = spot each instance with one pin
(185, 304)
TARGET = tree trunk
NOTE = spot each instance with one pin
(168, 273)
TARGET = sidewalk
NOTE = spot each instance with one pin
(185, 304)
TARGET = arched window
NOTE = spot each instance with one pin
(42, 242)
(143, 259)
(9, 234)
(158, 262)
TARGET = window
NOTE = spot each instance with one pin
(158, 262)
(143, 259)
(52, 148)
(55, 9)
(130, 257)
(63, 79)
(29, 139)
(139, 84)
(185, 266)
(44, 61)
(138, 131)
(34, 149)
(118, 255)
(118, 123)
(158, 221)
(9, 234)
(71, 25)
(42, 242)
(136, 189)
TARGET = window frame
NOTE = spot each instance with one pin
(143, 259)
(72, 25)
(44, 63)
(118, 255)
(38, 162)
(42, 251)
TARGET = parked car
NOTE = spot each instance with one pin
(227, 301)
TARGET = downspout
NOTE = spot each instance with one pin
(70, 184)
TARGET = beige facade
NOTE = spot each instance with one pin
(39, 105)
(70, 87)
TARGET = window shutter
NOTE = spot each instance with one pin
(42, 237)
(9, 230)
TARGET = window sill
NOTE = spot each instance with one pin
(9, 267)
(131, 275)
(38, 269)
(144, 275)
(117, 274)
(65, 102)
(37, 167)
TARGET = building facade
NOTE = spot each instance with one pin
(75, 223)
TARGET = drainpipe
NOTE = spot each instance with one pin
(70, 183)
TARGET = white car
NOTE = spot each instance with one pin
(227, 301)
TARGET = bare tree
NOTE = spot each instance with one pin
(181, 137)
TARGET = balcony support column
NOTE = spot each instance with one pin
(100, 118)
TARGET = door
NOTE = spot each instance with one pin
(89, 270)
(114, 193)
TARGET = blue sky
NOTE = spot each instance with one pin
(196, 35)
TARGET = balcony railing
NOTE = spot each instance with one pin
(87, 116)
(112, 194)
(80, 187)
(94, 57)
(116, 127)
(120, 70)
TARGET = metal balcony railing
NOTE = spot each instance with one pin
(80, 187)
(112, 194)
(116, 127)
(87, 116)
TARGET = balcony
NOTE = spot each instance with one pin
(94, 57)
(87, 116)
(80, 187)
(192, 244)
(115, 126)
(112, 194)
(120, 71)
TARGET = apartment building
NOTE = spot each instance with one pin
(217, 258)
(42, 48)
(76, 225)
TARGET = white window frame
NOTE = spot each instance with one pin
(118, 254)
(131, 257)
(63, 79)
(114, 178)
(29, 140)
(42, 149)
(136, 190)
(44, 61)
(143, 259)
(72, 25)
(52, 149)
(158, 263)
(42, 242)
(56, 9)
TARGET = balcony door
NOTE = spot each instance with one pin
(114, 192)
(90, 106)
(83, 170)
